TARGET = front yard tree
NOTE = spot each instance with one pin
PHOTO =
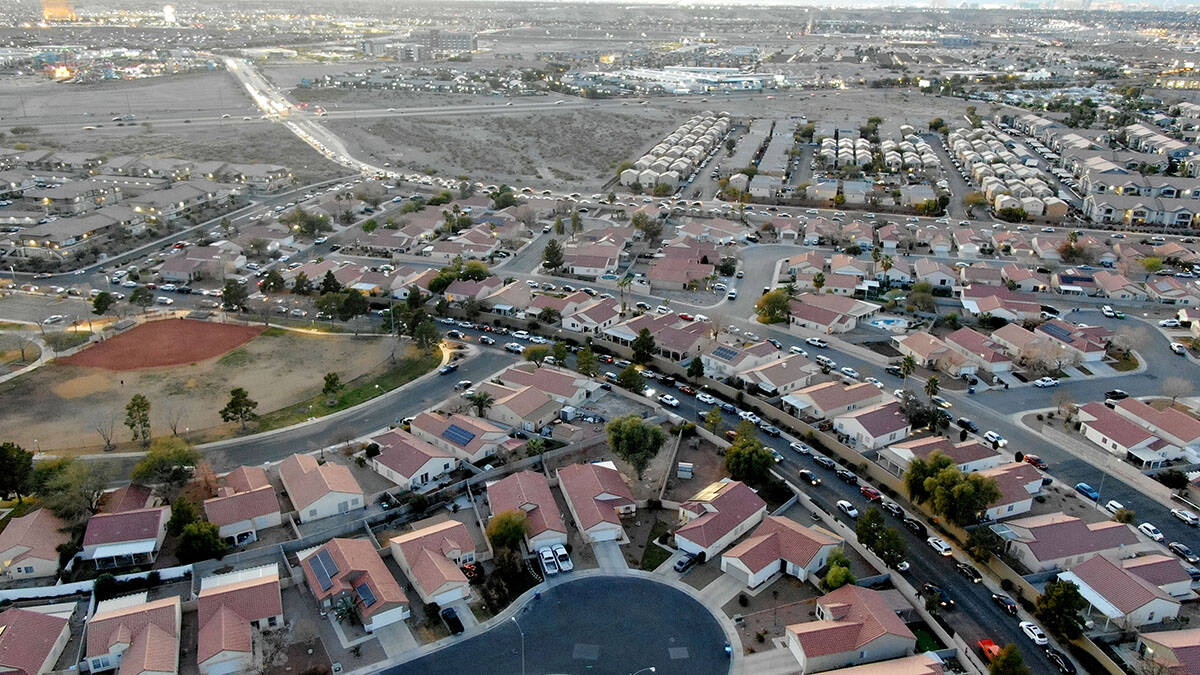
(1058, 609)
(651, 228)
(273, 282)
(536, 353)
(560, 352)
(481, 401)
(301, 285)
(695, 369)
(932, 386)
(552, 255)
(102, 302)
(869, 527)
(169, 461)
(200, 541)
(919, 471)
(507, 529)
(1176, 387)
(586, 362)
(142, 297)
(71, 489)
(240, 407)
(183, 513)
(16, 468)
(773, 307)
(234, 295)
(746, 459)
(889, 546)
(713, 419)
(352, 304)
(137, 418)
(426, 335)
(635, 441)
(330, 284)
(643, 347)
(632, 380)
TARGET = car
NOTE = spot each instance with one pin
(871, 493)
(941, 401)
(515, 348)
(1034, 633)
(453, 623)
(521, 335)
(847, 508)
(995, 439)
(1043, 382)
(847, 476)
(892, 508)
(797, 350)
(775, 454)
(1178, 348)
(1150, 531)
(685, 563)
(809, 477)
(1186, 516)
(1060, 661)
(53, 319)
(771, 430)
(824, 462)
(938, 595)
(728, 407)
(732, 295)
(642, 306)
(1006, 603)
(969, 572)
(667, 399)
(1184, 552)
(706, 398)
(455, 335)
(894, 371)
(447, 369)
(849, 372)
(564, 560)
(1169, 323)
(1116, 394)
(964, 423)
(684, 389)
(1113, 506)
(800, 448)
(662, 309)
(548, 560)
(485, 340)
(938, 544)
(915, 526)
(1087, 491)
(873, 381)
(538, 340)
(817, 342)
(1037, 462)
(749, 416)
(989, 650)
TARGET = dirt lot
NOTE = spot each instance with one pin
(60, 404)
(169, 342)
(786, 601)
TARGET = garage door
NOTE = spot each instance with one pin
(227, 668)
(736, 572)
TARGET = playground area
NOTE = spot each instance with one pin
(170, 342)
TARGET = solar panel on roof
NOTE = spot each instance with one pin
(323, 569)
(458, 435)
(1056, 331)
(367, 595)
(724, 353)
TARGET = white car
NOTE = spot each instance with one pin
(797, 350)
(800, 448)
(549, 561)
(667, 399)
(995, 438)
(1043, 382)
(662, 309)
(939, 545)
(538, 340)
(1034, 633)
(1150, 531)
(521, 335)
(1169, 323)
(847, 508)
(1186, 516)
(849, 372)
(747, 415)
(705, 398)
(1178, 348)
(817, 342)
(564, 560)
(875, 382)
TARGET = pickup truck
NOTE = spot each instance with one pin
(989, 650)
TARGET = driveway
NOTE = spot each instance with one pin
(597, 624)
(608, 555)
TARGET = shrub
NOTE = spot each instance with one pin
(1006, 585)
(743, 600)
(372, 450)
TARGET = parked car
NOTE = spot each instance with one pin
(870, 493)
(809, 477)
(1060, 661)
(667, 399)
(685, 563)
(453, 623)
(1006, 603)
(1178, 348)
(847, 477)
(1112, 506)
(1184, 552)
(989, 650)
(563, 558)
(485, 340)
(824, 461)
(447, 369)
(794, 349)
(847, 508)
(1037, 462)
(706, 398)
(800, 448)
(1186, 516)
(1169, 323)
(894, 371)
(995, 439)
(939, 595)
(1043, 382)
(915, 526)
(1116, 394)
(938, 544)
(964, 423)
(892, 508)
(849, 372)
(969, 572)
(817, 342)
(549, 561)
(1151, 531)
(517, 348)
(1034, 633)
(1087, 491)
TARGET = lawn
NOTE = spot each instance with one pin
(357, 391)
(66, 340)
(655, 555)
(1123, 362)
(926, 641)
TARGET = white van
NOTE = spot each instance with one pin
(825, 361)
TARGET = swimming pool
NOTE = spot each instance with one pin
(890, 324)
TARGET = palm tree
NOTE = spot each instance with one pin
(875, 255)
(886, 264)
(623, 286)
(907, 367)
(481, 401)
(932, 387)
(346, 609)
(818, 281)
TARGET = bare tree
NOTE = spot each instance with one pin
(173, 416)
(1064, 402)
(205, 479)
(1176, 387)
(527, 215)
(106, 426)
(1129, 336)
(272, 645)
(24, 342)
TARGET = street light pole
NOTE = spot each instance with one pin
(643, 670)
(522, 632)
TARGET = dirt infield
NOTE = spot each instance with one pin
(169, 342)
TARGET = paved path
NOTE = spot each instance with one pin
(721, 590)
(45, 354)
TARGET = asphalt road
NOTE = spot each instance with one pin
(610, 625)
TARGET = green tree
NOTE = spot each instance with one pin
(333, 385)
(651, 228)
(560, 228)
(908, 366)
(818, 281)
(102, 302)
(536, 353)
(426, 335)
(576, 224)
(869, 527)
(351, 304)
(183, 513)
(301, 285)
(962, 499)
(1151, 264)
(552, 255)
(713, 419)
(330, 284)
(240, 407)
(749, 462)
(508, 529)
(889, 546)
(919, 471)
(635, 441)
(234, 295)
(273, 282)
(585, 362)
(199, 541)
(142, 297)
(1058, 609)
(982, 543)
(481, 401)
(932, 386)
(632, 380)
(773, 307)
(695, 369)
(71, 489)
(169, 461)
(643, 347)
(1124, 516)
(16, 470)
(838, 573)
(1008, 662)
(560, 352)
(137, 418)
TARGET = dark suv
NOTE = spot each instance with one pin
(453, 623)
(964, 423)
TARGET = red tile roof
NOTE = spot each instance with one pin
(529, 492)
(27, 639)
(39, 533)
(879, 420)
(718, 509)
(225, 612)
(246, 494)
(1057, 535)
(1113, 426)
(778, 539)
(1123, 589)
(306, 480)
(425, 553)
(357, 563)
(126, 624)
(128, 498)
(1185, 647)
(1157, 568)
(859, 616)
(595, 492)
(404, 453)
(113, 528)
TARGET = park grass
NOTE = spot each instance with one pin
(359, 390)
(1124, 362)
(273, 332)
(235, 358)
(655, 555)
(66, 340)
(9, 325)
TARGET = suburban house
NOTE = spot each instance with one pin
(1119, 595)
(319, 490)
(1170, 424)
(350, 568)
(1018, 482)
(1089, 343)
(529, 492)
(470, 439)
(1176, 652)
(935, 273)
(779, 545)
(1172, 291)
(1116, 286)
(1165, 571)
(716, 516)
(244, 505)
(409, 461)
(923, 347)
(1119, 436)
(782, 376)
(431, 558)
(986, 354)
(523, 408)
(29, 546)
(853, 626)
(134, 635)
(594, 317)
(232, 610)
(1059, 541)
(828, 313)
(723, 361)
(125, 538)
(830, 399)
(31, 640)
(874, 427)
(597, 497)
(1016, 340)
(968, 456)
(565, 386)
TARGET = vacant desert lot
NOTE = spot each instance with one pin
(60, 405)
